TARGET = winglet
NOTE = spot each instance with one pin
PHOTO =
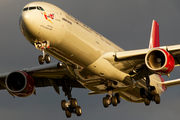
(154, 38)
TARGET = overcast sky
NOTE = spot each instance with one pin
(125, 22)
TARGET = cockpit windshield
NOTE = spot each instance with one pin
(40, 8)
(33, 8)
(25, 9)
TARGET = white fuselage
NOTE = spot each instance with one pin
(74, 43)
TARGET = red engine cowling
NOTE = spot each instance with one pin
(19, 83)
(160, 61)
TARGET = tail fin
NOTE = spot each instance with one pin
(154, 38)
(154, 42)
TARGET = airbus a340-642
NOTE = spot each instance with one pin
(89, 60)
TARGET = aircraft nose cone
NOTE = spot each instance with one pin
(27, 24)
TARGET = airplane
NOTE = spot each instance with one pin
(89, 60)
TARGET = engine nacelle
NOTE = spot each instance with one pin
(20, 84)
(160, 61)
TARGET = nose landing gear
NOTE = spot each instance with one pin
(44, 57)
(42, 46)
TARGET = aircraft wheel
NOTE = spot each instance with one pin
(105, 102)
(118, 98)
(153, 93)
(68, 114)
(157, 99)
(40, 58)
(146, 102)
(63, 105)
(47, 58)
(74, 103)
(78, 111)
(114, 101)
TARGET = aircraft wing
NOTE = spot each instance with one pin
(137, 58)
(141, 53)
(47, 75)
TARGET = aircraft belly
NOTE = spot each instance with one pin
(131, 97)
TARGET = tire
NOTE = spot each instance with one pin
(114, 101)
(40, 59)
(118, 98)
(68, 114)
(78, 111)
(153, 92)
(74, 103)
(157, 99)
(47, 58)
(63, 105)
(105, 102)
(146, 102)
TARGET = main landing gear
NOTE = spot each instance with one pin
(111, 99)
(42, 46)
(150, 94)
(71, 106)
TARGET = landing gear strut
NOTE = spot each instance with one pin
(71, 106)
(42, 46)
(150, 94)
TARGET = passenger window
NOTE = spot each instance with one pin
(32, 8)
(25, 9)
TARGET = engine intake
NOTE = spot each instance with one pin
(19, 83)
(160, 61)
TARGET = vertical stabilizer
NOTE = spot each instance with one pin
(154, 38)
(155, 42)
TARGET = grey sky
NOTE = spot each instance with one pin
(125, 22)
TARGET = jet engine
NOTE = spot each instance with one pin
(20, 84)
(160, 61)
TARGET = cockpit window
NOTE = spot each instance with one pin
(38, 8)
(32, 8)
(25, 9)
(41, 8)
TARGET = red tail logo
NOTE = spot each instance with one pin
(154, 38)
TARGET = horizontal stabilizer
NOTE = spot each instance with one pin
(169, 83)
